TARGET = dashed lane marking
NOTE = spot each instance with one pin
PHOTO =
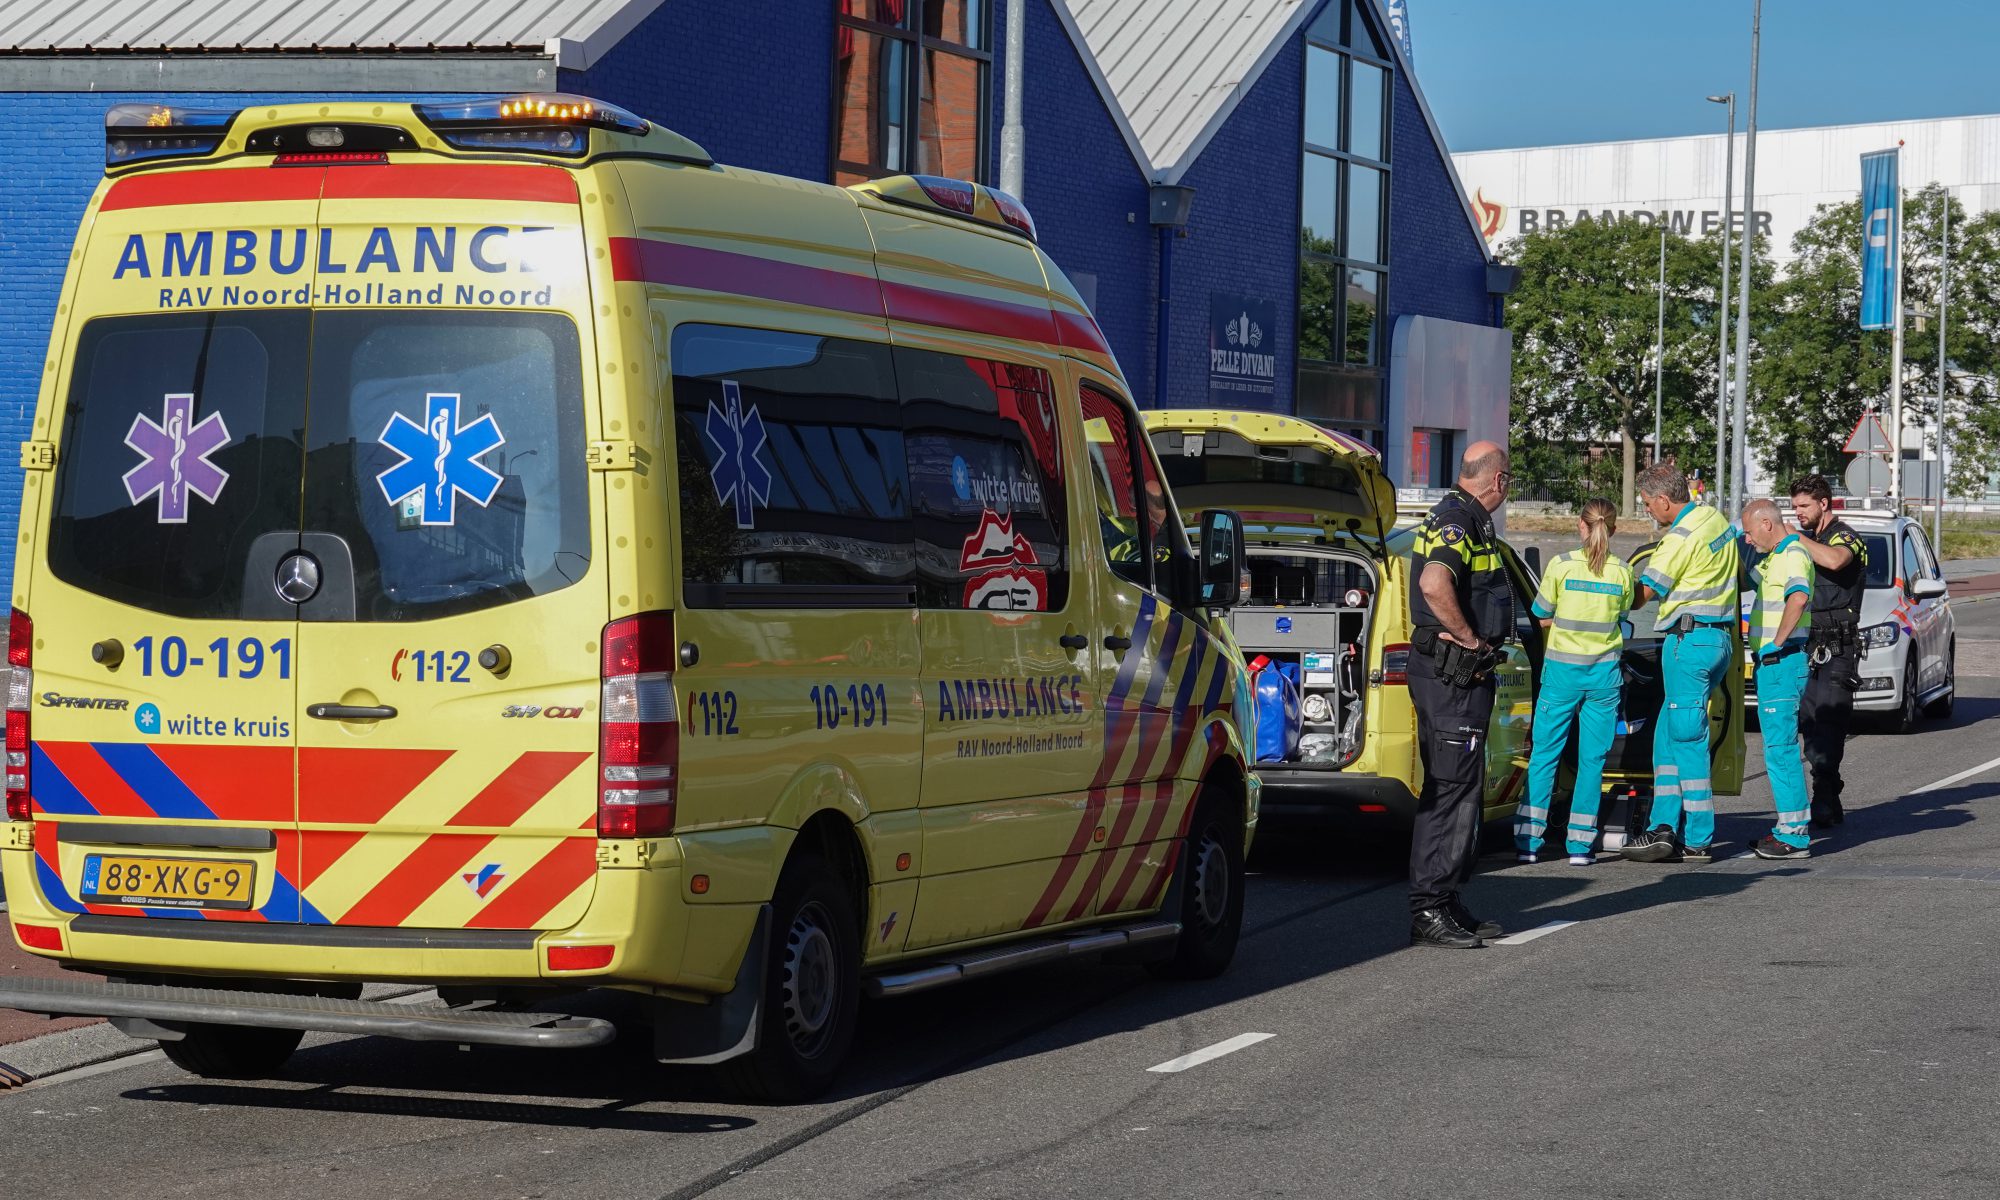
(1209, 1053)
(1528, 935)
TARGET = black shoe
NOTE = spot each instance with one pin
(1827, 813)
(1771, 847)
(1479, 928)
(1437, 927)
(1696, 854)
(1654, 845)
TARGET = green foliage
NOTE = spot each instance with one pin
(1584, 322)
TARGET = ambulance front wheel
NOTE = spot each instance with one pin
(812, 988)
(233, 1051)
(1211, 891)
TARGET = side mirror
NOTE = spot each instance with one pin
(1928, 589)
(1223, 577)
(1533, 557)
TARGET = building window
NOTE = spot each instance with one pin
(1344, 220)
(909, 88)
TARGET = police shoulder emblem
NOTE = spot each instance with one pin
(1452, 535)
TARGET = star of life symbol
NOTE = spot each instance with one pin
(741, 478)
(176, 458)
(441, 459)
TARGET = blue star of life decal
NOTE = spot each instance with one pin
(440, 459)
(742, 478)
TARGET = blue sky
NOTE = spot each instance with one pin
(1502, 73)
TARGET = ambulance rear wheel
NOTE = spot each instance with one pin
(233, 1051)
(1211, 887)
(812, 988)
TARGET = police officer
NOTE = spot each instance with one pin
(1694, 573)
(1461, 607)
(1840, 559)
(1784, 575)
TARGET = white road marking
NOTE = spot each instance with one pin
(1946, 782)
(1529, 935)
(1241, 1040)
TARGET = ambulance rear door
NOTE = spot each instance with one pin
(165, 654)
(448, 652)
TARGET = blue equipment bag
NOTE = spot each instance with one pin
(1275, 687)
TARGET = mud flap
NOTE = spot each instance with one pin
(690, 1034)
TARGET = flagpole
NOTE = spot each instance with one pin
(1739, 466)
(1896, 354)
(1944, 303)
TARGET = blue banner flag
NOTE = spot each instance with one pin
(1399, 25)
(1881, 221)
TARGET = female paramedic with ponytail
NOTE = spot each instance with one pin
(1584, 597)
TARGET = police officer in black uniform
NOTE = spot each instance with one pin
(1841, 559)
(1462, 609)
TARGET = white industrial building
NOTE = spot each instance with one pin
(1681, 180)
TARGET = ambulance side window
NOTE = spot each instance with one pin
(180, 448)
(793, 478)
(986, 483)
(1111, 430)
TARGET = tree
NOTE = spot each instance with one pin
(1584, 320)
(1816, 371)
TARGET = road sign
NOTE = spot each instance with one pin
(1868, 437)
(1868, 476)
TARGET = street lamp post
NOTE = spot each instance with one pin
(1722, 319)
(1660, 348)
(1739, 469)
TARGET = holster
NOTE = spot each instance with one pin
(1457, 666)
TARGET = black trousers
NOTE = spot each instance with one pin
(1825, 714)
(1451, 739)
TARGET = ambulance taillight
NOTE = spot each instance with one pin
(1396, 665)
(639, 738)
(20, 686)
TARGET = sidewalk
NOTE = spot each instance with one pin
(1973, 578)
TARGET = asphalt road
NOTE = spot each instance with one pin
(1824, 1028)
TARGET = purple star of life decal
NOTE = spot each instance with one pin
(175, 458)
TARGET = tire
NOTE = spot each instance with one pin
(233, 1051)
(1941, 708)
(1211, 881)
(1904, 719)
(812, 989)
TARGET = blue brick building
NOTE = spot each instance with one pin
(1260, 209)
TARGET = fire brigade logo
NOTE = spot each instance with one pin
(176, 458)
(484, 880)
(1491, 213)
(441, 459)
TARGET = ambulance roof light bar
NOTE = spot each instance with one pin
(543, 123)
(139, 132)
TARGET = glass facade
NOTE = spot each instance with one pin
(1344, 222)
(909, 88)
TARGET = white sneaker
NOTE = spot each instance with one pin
(1526, 858)
(1613, 842)
(1581, 860)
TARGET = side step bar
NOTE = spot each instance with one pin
(979, 964)
(170, 1006)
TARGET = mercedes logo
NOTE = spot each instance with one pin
(298, 578)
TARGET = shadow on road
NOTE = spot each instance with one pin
(340, 1098)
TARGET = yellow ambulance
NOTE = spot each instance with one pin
(1329, 599)
(494, 546)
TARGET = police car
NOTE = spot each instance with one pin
(1909, 637)
(495, 546)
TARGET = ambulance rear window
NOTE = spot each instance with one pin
(180, 450)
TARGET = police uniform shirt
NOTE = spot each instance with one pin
(1837, 594)
(1785, 572)
(1458, 536)
(1693, 569)
(1585, 607)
